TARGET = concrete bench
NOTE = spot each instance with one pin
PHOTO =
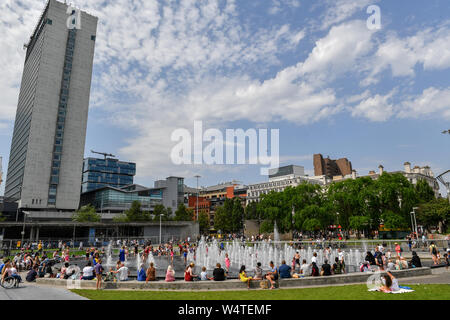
(350, 278)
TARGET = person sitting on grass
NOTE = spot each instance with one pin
(390, 283)
(243, 276)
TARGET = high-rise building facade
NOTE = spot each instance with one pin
(330, 168)
(47, 149)
(99, 173)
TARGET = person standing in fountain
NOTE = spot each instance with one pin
(151, 273)
(122, 254)
(341, 259)
(297, 261)
(227, 262)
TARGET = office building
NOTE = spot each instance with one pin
(47, 149)
(117, 200)
(173, 192)
(279, 180)
(99, 173)
(330, 168)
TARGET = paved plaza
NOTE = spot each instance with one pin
(28, 291)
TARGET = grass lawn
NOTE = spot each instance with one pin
(350, 292)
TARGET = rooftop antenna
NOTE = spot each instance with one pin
(104, 154)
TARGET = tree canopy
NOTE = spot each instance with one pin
(360, 204)
(86, 214)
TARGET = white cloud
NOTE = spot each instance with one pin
(341, 10)
(401, 55)
(433, 103)
(340, 51)
(376, 108)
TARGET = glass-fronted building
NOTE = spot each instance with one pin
(99, 173)
(115, 200)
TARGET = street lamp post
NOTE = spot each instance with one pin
(197, 176)
(414, 221)
(18, 203)
(23, 229)
(160, 224)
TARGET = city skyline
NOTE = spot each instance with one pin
(379, 97)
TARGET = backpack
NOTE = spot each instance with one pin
(433, 250)
(264, 284)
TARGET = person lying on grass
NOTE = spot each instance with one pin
(390, 283)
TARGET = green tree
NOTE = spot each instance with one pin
(424, 192)
(86, 214)
(237, 216)
(203, 220)
(394, 220)
(221, 220)
(435, 213)
(311, 224)
(230, 216)
(252, 212)
(160, 210)
(353, 197)
(183, 214)
(359, 224)
(134, 214)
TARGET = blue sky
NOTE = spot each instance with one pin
(311, 69)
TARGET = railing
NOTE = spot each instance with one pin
(53, 243)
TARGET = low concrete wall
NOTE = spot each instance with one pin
(232, 284)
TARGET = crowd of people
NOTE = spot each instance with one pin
(40, 264)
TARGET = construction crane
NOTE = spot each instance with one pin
(104, 154)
